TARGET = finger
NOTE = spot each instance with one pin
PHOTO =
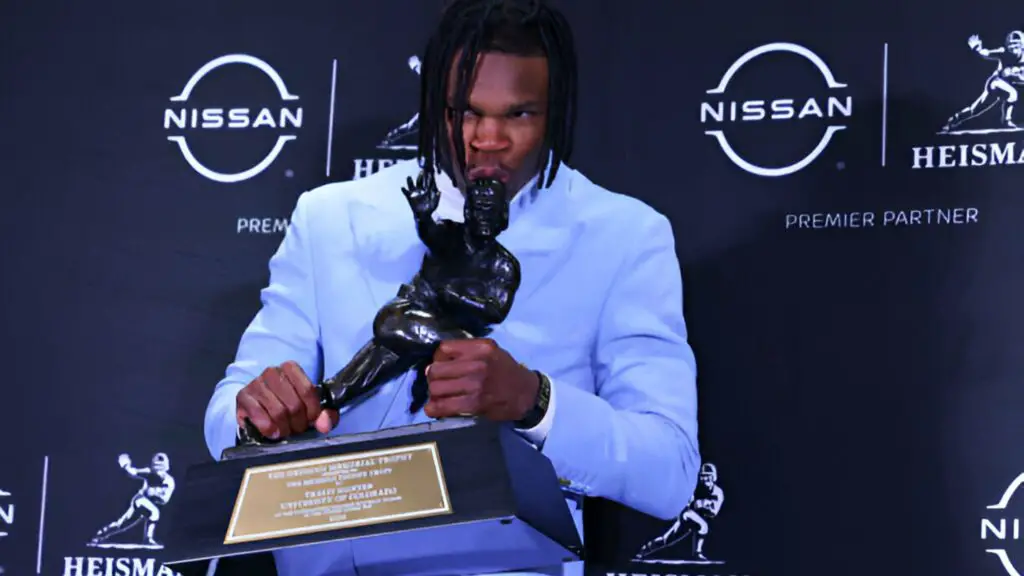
(284, 392)
(304, 389)
(445, 351)
(454, 387)
(326, 421)
(273, 405)
(249, 407)
(465, 405)
(455, 369)
(464, 348)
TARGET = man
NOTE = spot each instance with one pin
(598, 313)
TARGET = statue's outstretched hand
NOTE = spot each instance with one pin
(423, 196)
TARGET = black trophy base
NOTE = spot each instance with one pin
(505, 512)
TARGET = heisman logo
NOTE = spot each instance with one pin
(393, 141)
(155, 492)
(694, 524)
(398, 141)
(1001, 86)
(185, 118)
(991, 113)
(836, 109)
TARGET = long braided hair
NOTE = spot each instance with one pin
(516, 27)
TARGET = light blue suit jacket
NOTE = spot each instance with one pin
(599, 310)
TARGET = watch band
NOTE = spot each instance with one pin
(540, 405)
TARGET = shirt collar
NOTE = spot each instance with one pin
(452, 202)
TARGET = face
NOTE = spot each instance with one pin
(486, 210)
(503, 127)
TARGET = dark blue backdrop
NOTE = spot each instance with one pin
(855, 319)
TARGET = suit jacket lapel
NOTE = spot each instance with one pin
(540, 233)
(387, 246)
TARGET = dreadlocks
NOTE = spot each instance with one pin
(516, 27)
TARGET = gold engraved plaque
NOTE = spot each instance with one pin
(357, 489)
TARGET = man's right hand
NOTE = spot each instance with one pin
(282, 402)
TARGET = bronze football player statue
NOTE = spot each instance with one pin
(466, 284)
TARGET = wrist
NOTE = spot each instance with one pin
(539, 406)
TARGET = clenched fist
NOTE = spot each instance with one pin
(477, 377)
(282, 402)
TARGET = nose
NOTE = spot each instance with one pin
(489, 135)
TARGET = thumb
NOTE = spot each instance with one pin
(326, 421)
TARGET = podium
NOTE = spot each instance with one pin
(460, 496)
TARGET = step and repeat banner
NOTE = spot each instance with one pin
(844, 182)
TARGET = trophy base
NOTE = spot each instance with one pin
(446, 497)
(310, 439)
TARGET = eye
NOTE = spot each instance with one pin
(466, 113)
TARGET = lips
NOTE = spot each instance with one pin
(489, 172)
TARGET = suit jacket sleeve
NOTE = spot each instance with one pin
(635, 441)
(285, 328)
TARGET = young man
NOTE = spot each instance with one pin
(598, 312)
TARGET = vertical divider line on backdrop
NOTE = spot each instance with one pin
(885, 97)
(42, 515)
(330, 115)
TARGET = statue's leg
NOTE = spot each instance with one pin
(404, 334)
(411, 331)
(372, 366)
(416, 334)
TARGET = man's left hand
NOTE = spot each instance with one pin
(475, 377)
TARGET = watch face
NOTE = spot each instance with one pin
(540, 407)
(545, 393)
